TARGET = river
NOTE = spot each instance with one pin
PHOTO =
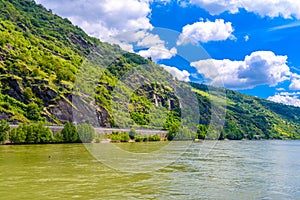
(228, 170)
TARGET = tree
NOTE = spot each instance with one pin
(58, 137)
(4, 129)
(132, 133)
(173, 131)
(201, 131)
(17, 135)
(33, 112)
(86, 132)
(70, 133)
(44, 134)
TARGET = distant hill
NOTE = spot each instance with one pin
(41, 55)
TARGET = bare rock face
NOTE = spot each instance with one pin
(61, 110)
(75, 109)
(5, 116)
(15, 88)
(45, 93)
(103, 117)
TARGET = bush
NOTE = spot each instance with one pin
(58, 137)
(132, 133)
(4, 129)
(154, 138)
(30, 134)
(86, 132)
(172, 132)
(201, 131)
(138, 138)
(70, 133)
(44, 134)
(17, 136)
(119, 137)
(33, 112)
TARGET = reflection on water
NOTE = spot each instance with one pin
(231, 170)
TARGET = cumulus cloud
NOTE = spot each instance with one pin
(286, 98)
(206, 31)
(149, 45)
(103, 18)
(180, 75)
(158, 52)
(270, 8)
(295, 84)
(120, 22)
(259, 68)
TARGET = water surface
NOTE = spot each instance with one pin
(230, 170)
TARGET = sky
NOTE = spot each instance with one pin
(250, 46)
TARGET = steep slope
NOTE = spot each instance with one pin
(41, 61)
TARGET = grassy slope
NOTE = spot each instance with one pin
(41, 54)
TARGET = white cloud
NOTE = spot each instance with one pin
(286, 99)
(280, 89)
(121, 22)
(206, 31)
(260, 68)
(158, 52)
(104, 18)
(295, 84)
(291, 25)
(180, 75)
(246, 37)
(150, 40)
(270, 8)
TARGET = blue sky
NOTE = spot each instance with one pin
(251, 46)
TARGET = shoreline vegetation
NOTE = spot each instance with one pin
(38, 133)
(42, 57)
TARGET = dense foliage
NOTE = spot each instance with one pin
(4, 130)
(86, 133)
(30, 134)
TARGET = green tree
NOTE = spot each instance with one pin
(33, 112)
(124, 137)
(4, 129)
(86, 132)
(222, 135)
(70, 133)
(173, 131)
(132, 133)
(44, 134)
(17, 135)
(58, 137)
(201, 131)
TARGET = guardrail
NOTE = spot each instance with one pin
(103, 130)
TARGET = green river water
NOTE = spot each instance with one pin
(228, 170)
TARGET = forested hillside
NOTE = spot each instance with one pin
(41, 55)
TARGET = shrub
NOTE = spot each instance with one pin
(4, 129)
(58, 137)
(31, 134)
(86, 132)
(17, 136)
(154, 138)
(33, 112)
(138, 138)
(125, 137)
(132, 133)
(70, 133)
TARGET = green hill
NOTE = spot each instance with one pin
(44, 77)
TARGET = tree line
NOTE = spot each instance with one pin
(38, 133)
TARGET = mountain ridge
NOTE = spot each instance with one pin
(41, 55)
